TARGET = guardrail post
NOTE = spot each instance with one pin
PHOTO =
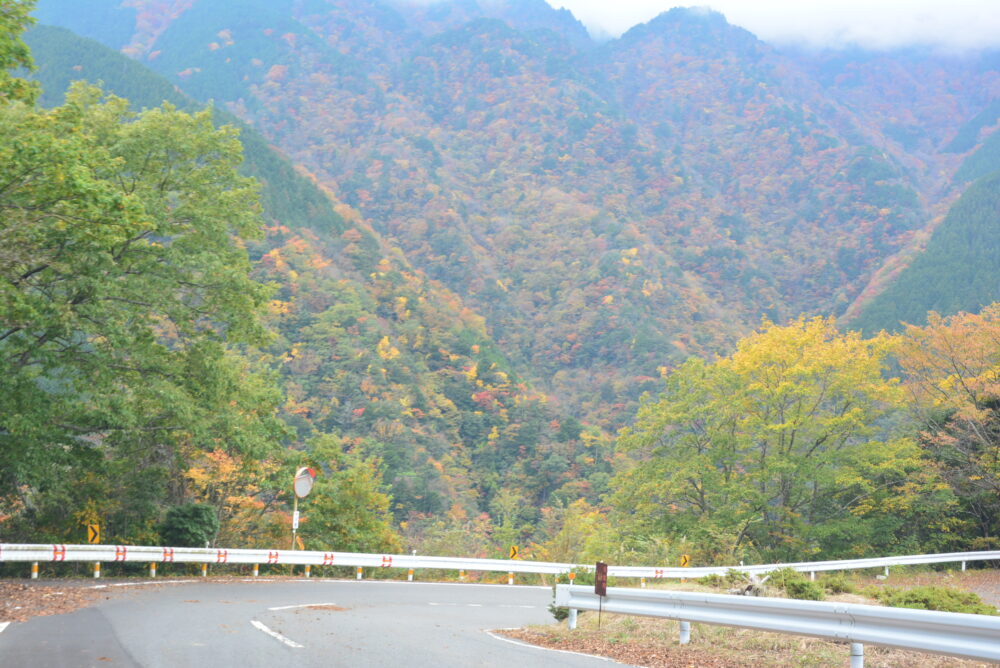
(34, 570)
(97, 569)
(152, 569)
(642, 582)
(887, 571)
(963, 566)
(510, 578)
(685, 634)
(359, 572)
(571, 620)
(308, 570)
(204, 570)
(409, 575)
(461, 576)
(812, 576)
(256, 570)
(857, 655)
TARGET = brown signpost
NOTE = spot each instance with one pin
(601, 579)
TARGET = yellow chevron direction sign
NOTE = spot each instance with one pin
(685, 560)
(93, 533)
(513, 552)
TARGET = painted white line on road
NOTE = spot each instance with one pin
(424, 584)
(274, 634)
(479, 605)
(141, 584)
(303, 605)
(549, 649)
(3, 625)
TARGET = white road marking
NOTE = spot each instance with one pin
(3, 625)
(480, 605)
(303, 605)
(141, 584)
(422, 584)
(550, 649)
(274, 634)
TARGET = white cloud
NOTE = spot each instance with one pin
(872, 23)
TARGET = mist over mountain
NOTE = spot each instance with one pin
(608, 209)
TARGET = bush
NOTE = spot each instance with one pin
(781, 577)
(559, 613)
(190, 525)
(804, 589)
(837, 584)
(795, 584)
(942, 599)
(716, 581)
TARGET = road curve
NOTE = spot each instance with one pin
(292, 623)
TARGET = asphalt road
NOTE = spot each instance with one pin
(292, 623)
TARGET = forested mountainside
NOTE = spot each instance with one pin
(368, 348)
(608, 209)
(497, 235)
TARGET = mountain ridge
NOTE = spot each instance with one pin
(612, 210)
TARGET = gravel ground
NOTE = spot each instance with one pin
(20, 600)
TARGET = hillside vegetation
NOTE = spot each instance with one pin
(500, 243)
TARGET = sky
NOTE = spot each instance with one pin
(878, 24)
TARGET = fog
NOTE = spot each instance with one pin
(878, 24)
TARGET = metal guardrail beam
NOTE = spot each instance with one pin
(806, 566)
(949, 633)
(151, 554)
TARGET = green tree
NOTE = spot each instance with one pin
(14, 19)
(189, 525)
(347, 509)
(124, 287)
(952, 368)
(763, 449)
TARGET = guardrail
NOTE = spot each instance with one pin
(153, 555)
(811, 567)
(949, 633)
(194, 555)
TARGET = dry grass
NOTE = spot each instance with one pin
(642, 641)
(653, 642)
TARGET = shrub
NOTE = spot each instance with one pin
(804, 589)
(558, 612)
(933, 598)
(190, 525)
(713, 580)
(837, 584)
(795, 584)
(781, 577)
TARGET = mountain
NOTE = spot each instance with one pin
(369, 348)
(609, 209)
